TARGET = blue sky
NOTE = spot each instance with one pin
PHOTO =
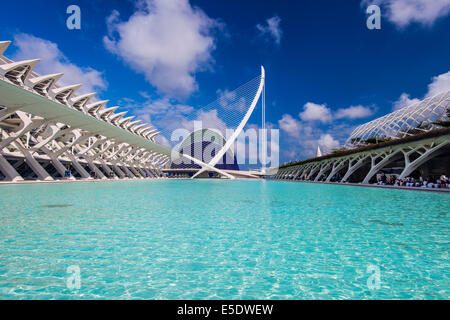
(326, 71)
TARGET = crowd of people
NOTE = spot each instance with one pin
(428, 182)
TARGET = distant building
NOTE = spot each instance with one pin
(319, 152)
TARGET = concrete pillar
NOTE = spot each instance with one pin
(8, 170)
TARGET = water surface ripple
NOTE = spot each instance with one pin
(212, 239)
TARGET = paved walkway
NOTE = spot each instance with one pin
(76, 180)
(444, 190)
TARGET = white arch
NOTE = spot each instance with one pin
(238, 130)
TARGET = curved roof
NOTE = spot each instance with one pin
(20, 73)
(415, 118)
(40, 95)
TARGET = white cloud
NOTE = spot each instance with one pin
(54, 61)
(403, 101)
(166, 40)
(320, 112)
(307, 146)
(231, 101)
(354, 112)
(163, 140)
(313, 111)
(164, 113)
(167, 116)
(327, 143)
(404, 12)
(290, 125)
(225, 96)
(304, 138)
(307, 137)
(272, 28)
(438, 84)
(209, 119)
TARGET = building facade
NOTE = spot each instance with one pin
(49, 132)
(413, 141)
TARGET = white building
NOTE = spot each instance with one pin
(47, 131)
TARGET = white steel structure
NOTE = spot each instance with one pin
(415, 118)
(231, 140)
(47, 130)
(362, 164)
(409, 156)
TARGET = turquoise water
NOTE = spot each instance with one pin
(212, 239)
